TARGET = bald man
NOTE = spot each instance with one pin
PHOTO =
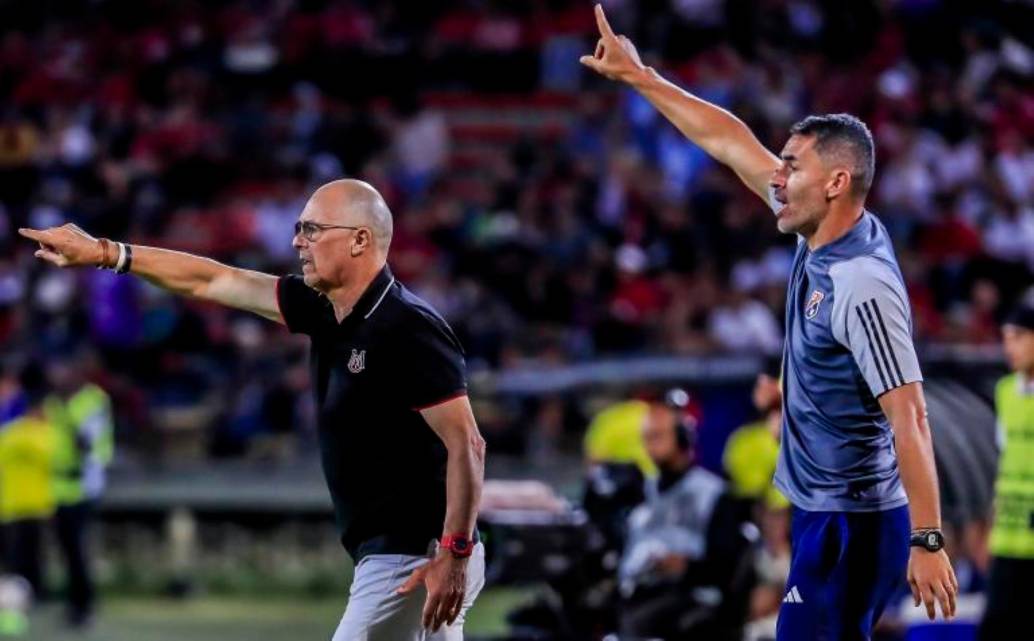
(401, 452)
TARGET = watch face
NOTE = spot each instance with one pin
(459, 545)
(931, 541)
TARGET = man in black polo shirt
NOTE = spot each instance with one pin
(401, 452)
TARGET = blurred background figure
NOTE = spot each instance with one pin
(12, 400)
(28, 453)
(1012, 535)
(80, 412)
(615, 436)
(15, 601)
(749, 461)
(687, 568)
(581, 250)
(753, 449)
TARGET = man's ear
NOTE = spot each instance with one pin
(839, 183)
(360, 242)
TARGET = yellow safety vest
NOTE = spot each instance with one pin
(84, 418)
(616, 436)
(750, 461)
(1013, 533)
(27, 449)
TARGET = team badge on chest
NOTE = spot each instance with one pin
(357, 362)
(812, 308)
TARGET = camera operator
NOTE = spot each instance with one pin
(687, 568)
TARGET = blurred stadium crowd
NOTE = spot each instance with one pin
(548, 218)
(551, 219)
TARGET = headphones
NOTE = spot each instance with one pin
(685, 436)
(685, 430)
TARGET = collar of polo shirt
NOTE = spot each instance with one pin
(374, 294)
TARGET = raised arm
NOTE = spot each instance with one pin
(178, 272)
(722, 135)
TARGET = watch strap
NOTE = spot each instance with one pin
(931, 539)
(460, 545)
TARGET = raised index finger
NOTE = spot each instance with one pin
(34, 234)
(601, 22)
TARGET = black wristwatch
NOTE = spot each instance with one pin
(931, 540)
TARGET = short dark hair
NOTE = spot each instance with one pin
(844, 135)
(1021, 316)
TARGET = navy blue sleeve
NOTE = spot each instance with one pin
(300, 305)
(433, 369)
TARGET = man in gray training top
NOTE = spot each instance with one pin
(856, 460)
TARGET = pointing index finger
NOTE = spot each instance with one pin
(601, 22)
(33, 234)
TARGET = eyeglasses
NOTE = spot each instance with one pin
(310, 230)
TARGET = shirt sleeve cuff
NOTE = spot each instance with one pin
(445, 399)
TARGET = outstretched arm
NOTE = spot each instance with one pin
(178, 272)
(722, 135)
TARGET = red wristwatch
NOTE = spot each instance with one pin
(459, 544)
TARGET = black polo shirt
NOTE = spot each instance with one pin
(372, 373)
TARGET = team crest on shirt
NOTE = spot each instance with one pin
(812, 308)
(357, 362)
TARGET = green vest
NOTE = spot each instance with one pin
(86, 443)
(1013, 533)
(750, 459)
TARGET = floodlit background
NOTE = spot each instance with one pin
(583, 251)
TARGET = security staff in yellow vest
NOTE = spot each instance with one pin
(28, 446)
(81, 411)
(614, 436)
(752, 450)
(1012, 537)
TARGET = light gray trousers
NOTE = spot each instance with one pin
(376, 613)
